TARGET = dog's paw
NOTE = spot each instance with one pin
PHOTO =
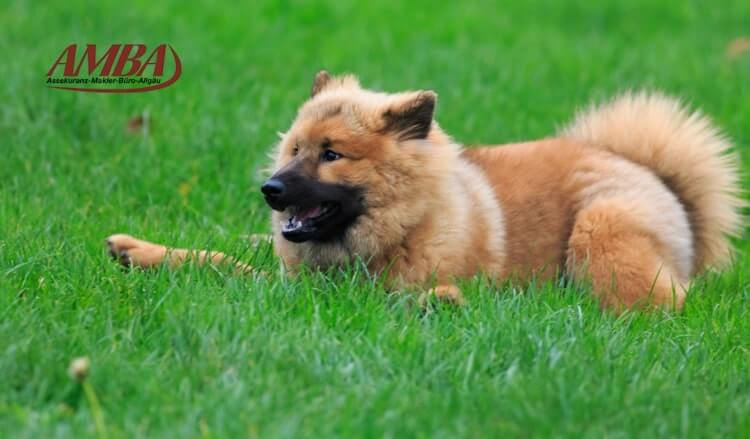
(132, 252)
(118, 246)
(443, 293)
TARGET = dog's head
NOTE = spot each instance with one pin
(349, 154)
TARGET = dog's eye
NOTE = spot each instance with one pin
(330, 155)
(295, 150)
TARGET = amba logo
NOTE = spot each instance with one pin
(122, 68)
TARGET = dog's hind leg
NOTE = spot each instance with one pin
(130, 251)
(623, 259)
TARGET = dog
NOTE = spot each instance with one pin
(635, 196)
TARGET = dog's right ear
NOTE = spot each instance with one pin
(325, 81)
(322, 79)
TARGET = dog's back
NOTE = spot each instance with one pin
(637, 195)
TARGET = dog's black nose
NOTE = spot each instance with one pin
(273, 189)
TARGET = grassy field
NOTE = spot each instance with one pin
(201, 352)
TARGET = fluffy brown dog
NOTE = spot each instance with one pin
(636, 196)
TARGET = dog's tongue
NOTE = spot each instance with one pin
(309, 213)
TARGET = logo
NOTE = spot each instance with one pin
(121, 68)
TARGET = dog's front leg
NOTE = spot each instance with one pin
(130, 251)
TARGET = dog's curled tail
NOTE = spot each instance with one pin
(688, 154)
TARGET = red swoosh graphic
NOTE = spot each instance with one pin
(172, 80)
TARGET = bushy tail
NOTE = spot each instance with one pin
(686, 151)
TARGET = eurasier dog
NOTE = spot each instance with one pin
(635, 196)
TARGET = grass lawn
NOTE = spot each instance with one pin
(202, 352)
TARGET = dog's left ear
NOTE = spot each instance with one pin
(410, 117)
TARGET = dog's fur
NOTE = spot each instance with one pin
(636, 196)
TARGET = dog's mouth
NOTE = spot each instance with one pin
(307, 223)
(312, 210)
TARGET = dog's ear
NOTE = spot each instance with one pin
(324, 81)
(322, 78)
(410, 117)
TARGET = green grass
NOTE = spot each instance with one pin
(200, 352)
